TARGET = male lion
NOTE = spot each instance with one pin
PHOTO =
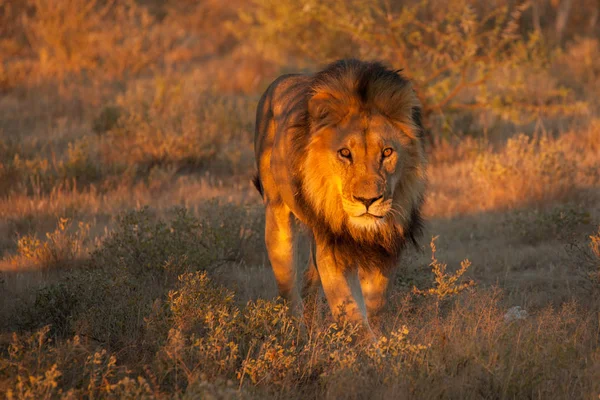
(340, 152)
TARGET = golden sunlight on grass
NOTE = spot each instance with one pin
(132, 257)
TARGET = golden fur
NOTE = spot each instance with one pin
(341, 152)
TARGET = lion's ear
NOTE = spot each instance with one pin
(318, 106)
(324, 109)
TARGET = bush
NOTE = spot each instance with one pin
(101, 39)
(595, 258)
(55, 307)
(537, 225)
(35, 174)
(454, 52)
(62, 248)
(527, 168)
(41, 369)
(145, 246)
(106, 120)
(172, 123)
(212, 338)
(136, 265)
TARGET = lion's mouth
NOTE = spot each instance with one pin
(369, 215)
(367, 221)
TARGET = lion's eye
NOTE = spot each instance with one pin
(344, 153)
(388, 152)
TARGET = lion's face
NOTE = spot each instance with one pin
(364, 154)
(366, 157)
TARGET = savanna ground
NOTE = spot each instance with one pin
(132, 257)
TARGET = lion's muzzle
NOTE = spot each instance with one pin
(367, 201)
(368, 193)
(366, 205)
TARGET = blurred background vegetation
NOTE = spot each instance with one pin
(131, 249)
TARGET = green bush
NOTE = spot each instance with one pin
(54, 306)
(557, 223)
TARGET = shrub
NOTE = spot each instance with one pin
(102, 39)
(203, 343)
(116, 298)
(37, 175)
(454, 52)
(527, 168)
(61, 248)
(595, 248)
(172, 123)
(40, 369)
(145, 246)
(80, 165)
(558, 223)
(445, 285)
(136, 265)
(106, 120)
(54, 306)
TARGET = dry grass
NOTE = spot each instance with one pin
(523, 172)
(132, 262)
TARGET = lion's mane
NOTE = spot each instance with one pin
(352, 86)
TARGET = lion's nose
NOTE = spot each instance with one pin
(367, 202)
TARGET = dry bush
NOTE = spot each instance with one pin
(41, 369)
(595, 248)
(171, 123)
(260, 344)
(109, 296)
(210, 344)
(61, 248)
(104, 39)
(578, 67)
(527, 168)
(445, 285)
(26, 171)
(560, 223)
(525, 171)
(454, 52)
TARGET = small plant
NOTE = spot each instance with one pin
(79, 164)
(204, 342)
(106, 120)
(560, 222)
(445, 285)
(24, 170)
(61, 247)
(535, 169)
(595, 247)
(55, 307)
(42, 369)
(388, 350)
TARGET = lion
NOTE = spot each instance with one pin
(340, 156)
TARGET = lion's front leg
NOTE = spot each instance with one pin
(280, 239)
(311, 275)
(341, 285)
(374, 283)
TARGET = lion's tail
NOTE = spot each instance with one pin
(258, 184)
